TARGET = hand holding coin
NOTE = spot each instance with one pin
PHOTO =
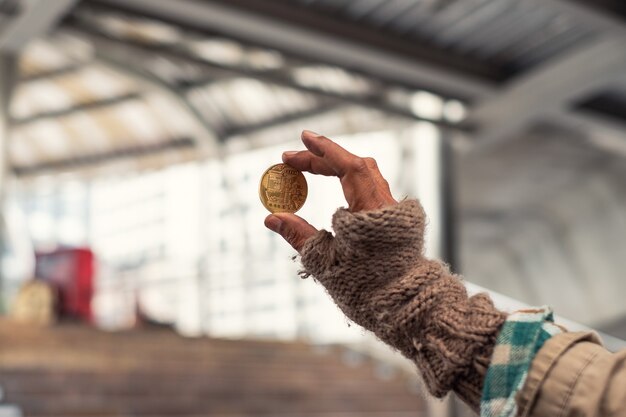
(363, 185)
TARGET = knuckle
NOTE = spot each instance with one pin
(359, 164)
(370, 162)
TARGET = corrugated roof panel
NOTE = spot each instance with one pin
(131, 124)
(42, 56)
(230, 53)
(488, 30)
(392, 10)
(120, 26)
(526, 25)
(213, 49)
(359, 9)
(333, 79)
(242, 101)
(97, 110)
(83, 125)
(20, 151)
(407, 21)
(220, 51)
(49, 139)
(454, 19)
(501, 19)
(38, 97)
(264, 59)
(562, 41)
(87, 85)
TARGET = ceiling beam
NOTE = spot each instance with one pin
(101, 158)
(38, 17)
(54, 73)
(606, 133)
(88, 106)
(316, 45)
(594, 121)
(282, 120)
(552, 86)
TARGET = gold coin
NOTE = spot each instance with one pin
(283, 189)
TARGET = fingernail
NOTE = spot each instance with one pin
(289, 153)
(310, 134)
(273, 223)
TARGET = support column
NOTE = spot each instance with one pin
(8, 74)
(428, 174)
(8, 63)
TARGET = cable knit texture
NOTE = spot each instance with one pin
(374, 269)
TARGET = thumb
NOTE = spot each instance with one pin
(294, 229)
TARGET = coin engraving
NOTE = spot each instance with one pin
(283, 189)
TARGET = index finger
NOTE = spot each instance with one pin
(307, 161)
(336, 158)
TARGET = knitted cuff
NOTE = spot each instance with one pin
(374, 270)
(391, 237)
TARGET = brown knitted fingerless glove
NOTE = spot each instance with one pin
(375, 271)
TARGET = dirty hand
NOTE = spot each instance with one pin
(363, 185)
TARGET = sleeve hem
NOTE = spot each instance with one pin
(544, 362)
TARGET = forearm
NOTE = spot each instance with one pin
(375, 271)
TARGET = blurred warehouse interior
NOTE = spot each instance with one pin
(139, 129)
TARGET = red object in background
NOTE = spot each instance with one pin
(71, 271)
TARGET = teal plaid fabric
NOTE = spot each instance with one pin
(519, 340)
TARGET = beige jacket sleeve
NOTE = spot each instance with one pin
(574, 375)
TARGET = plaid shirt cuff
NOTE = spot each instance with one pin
(519, 340)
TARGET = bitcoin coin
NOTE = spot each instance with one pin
(283, 189)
